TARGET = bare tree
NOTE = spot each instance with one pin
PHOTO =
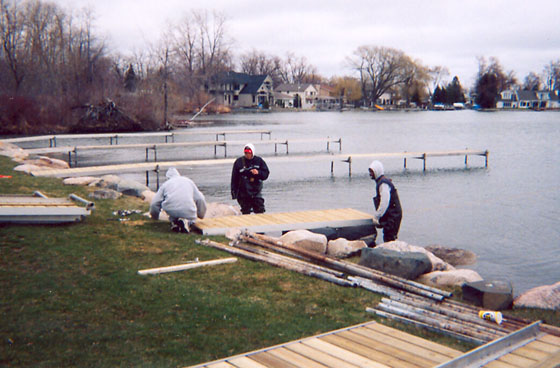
(297, 70)
(438, 74)
(380, 69)
(552, 75)
(12, 36)
(532, 82)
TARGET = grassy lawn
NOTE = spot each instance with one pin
(71, 295)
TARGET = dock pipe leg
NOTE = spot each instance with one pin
(424, 158)
(75, 156)
(332, 167)
(157, 177)
(147, 178)
(486, 155)
(405, 162)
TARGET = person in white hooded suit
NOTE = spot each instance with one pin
(180, 198)
(388, 211)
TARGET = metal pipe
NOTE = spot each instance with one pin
(89, 205)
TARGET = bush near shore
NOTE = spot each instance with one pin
(72, 295)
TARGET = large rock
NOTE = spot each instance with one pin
(489, 294)
(346, 232)
(44, 161)
(80, 180)
(544, 297)
(27, 168)
(13, 151)
(105, 194)
(124, 186)
(148, 195)
(401, 246)
(409, 265)
(456, 277)
(215, 209)
(453, 256)
(306, 240)
(343, 248)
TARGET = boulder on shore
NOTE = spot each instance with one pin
(408, 265)
(544, 297)
(490, 294)
(456, 277)
(307, 240)
(216, 209)
(403, 247)
(343, 248)
(12, 151)
(453, 256)
(80, 180)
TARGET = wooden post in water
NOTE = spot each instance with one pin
(424, 158)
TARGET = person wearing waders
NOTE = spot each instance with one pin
(247, 176)
(388, 211)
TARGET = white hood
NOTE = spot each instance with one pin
(250, 145)
(377, 168)
(171, 173)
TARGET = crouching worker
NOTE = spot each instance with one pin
(388, 211)
(247, 176)
(181, 199)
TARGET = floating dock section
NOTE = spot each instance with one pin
(369, 344)
(285, 221)
(41, 210)
(372, 344)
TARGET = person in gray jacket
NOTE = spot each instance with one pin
(180, 198)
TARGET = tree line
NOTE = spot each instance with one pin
(53, 66)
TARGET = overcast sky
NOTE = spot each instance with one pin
(523, 34)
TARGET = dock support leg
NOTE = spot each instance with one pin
(155, 154)
(215, 150)
(340, 145)
(70, 158)
(405, 162)
(424, 158)
(349, 166)
(466, 160)
(275, 147)
(486, 155)
(332, 167)
(147, 178)
(157, 177)
(328, 145)
(146, 157)
(75, 156)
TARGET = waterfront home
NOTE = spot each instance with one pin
(241, 90)
(523, 99)
(304, 95)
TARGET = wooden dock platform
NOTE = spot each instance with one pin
(73, 150)
(369, 344)
(372, 344)
(40, 210)
(159, 166)
(285, 221)
(114, 137)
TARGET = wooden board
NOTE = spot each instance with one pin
(285, 221)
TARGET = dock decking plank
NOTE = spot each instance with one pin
(342, 354)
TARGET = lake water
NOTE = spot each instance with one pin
(508, 214)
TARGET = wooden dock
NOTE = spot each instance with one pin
(369, 344)
(285, 221)
(114, 137)
(73, 150)
(157, 167)
(372, 344)
(40, 210)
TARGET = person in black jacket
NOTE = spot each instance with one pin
(247, 176)
(388, 211)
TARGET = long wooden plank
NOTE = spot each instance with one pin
(543, 346)
(452, 353)
(245, 362)
(392, 350)
(319, 356)
(550, 339)
(342, 354)
(295, 358)
(530, 353)
(552, 361)
(271, 361)
(403, 344)
(517, 360)
(375, 355)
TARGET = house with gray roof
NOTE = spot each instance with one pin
(523, 99)
(241, 90)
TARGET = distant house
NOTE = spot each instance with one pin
(303, 95)
(507, 100)
(240, 90)
(326, 99)
(523, 99)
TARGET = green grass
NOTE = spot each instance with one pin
(71, 295)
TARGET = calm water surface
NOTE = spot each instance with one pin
(508, 214)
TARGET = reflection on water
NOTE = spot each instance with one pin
(508, 213)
